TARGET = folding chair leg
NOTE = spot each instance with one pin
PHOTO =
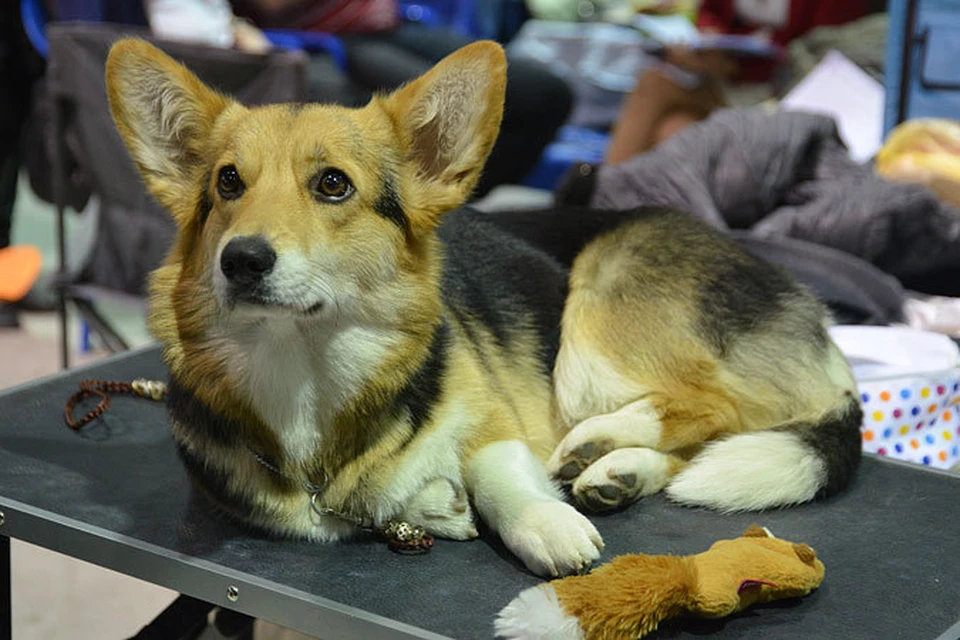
(112, 340)
(59, 182)
(64, 337)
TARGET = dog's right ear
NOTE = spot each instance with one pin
(447, 121)
(164, 115)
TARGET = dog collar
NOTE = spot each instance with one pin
(399, 536)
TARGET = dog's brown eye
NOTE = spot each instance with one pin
(333, 185)
(229, 184)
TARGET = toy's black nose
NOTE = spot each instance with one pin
(247, 259)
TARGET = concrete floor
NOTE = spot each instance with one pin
(54, 596)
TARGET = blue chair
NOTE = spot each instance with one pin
(310, 41)
(459, 15)
(33, 14)
(35, 19)
(573, 145)
(486, 19)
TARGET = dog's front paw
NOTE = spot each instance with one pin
(443, 509)
(553, 539)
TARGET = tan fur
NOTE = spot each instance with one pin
(697, 393)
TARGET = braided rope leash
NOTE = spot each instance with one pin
(102, 389)
(400, 537)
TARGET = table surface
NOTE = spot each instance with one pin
(116, 495)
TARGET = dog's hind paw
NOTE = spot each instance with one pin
(634, 425)
(621, 477)
(567, 467)
(553, 539)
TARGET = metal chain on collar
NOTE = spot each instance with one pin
(399, 536)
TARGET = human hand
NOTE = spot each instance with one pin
(250, 39)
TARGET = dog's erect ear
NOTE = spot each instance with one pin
(164, 115)
(448, 120)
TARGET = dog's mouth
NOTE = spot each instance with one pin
(262, 306)
(263, 301)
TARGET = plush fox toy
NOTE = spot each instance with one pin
(628, 597)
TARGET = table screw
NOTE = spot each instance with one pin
(233, 594)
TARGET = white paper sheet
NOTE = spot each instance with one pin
(839, 88)
(882, 352)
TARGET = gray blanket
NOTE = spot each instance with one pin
(787, 174)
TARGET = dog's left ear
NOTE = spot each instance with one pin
(448, 120)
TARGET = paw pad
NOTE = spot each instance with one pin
(621, 490)
(582, 457)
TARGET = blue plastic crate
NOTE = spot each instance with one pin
(922, 66)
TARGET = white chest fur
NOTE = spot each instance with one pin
(298, 375)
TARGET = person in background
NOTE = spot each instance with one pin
(383, 52)
(209, 22)
(18, 69)
(658, 107)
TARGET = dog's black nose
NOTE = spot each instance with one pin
(246, 259)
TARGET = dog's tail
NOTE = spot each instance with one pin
(777, 467)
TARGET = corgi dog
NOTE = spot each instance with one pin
(348, 346)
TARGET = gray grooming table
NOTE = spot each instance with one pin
(116, 495)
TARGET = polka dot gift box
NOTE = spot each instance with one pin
(909, 384)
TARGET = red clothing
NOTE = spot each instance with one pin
(330, 16)
(352, 16)
(802, 16)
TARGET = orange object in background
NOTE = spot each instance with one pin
(19, 268)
